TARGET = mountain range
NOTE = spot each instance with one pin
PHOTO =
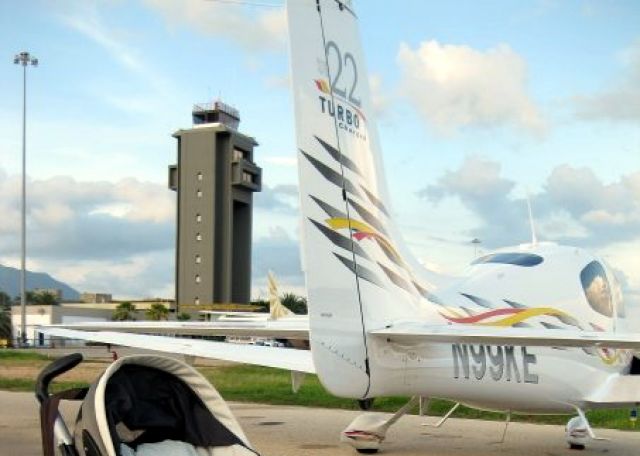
(10, 283)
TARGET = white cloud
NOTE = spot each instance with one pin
(621, 101)
(87, 220)
(574, 206)
(456, 86)
(87, 21)
(138, 276)
(380, 99)
(253, 32)
(104, 236)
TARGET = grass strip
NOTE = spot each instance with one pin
(273, 386)
(243, 383)
(21, 355)
(29, 385)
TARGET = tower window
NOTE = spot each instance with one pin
(247, 177)
(196, 301)
(198, 218)
(239, 154)
(199, 176)
(198, 237)
(198, 259)
(197, 278)
(199, 193)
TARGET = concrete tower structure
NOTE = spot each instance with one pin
(215, 179)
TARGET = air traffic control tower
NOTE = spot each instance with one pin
(215, 179)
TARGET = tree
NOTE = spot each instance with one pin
(296, 304)
(157, 312)
(125, 311)
(44, 298)
(5, 323)
(5, 299)
(183, 316)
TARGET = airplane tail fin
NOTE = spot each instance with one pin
(276, 309)
(359, 276)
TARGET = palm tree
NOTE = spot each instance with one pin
(296, 304)
(157, 312)
(125, 311)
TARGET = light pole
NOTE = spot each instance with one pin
(24, 59)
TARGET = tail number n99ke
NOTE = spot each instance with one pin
(499, 362)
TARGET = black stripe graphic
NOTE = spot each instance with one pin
(480, 301)
(329, 209)
(340, 240)
(391, 254)
(396, 279)
(360, 271)
(375, 201)
(340, 158)
(368, 216)
(427, 294)
(521, 324)
(332, 176)
(469, 312)
(550, 325)
(515, 305)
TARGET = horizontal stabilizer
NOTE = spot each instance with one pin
(281, 358)
(416, 334)
(278, 329)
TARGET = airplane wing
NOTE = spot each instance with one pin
(408, 333)
(281, 358)
(277, 329)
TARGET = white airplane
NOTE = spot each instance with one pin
(537, 328)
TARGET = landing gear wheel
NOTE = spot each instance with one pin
(577, 433)
(366, 404)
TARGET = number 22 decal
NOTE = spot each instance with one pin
(348, 59)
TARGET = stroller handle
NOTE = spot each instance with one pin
(53, 370)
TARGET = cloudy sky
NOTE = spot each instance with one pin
(479, 104)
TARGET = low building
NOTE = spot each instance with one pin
(96, 297)
(38, 315)
(73, 312)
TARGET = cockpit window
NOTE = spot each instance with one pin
(616, 292)
(515, 258)
(597, 289)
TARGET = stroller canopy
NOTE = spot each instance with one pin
(149, 404)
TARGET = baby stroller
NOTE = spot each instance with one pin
(141, 405)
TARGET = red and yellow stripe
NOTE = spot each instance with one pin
(510, 316)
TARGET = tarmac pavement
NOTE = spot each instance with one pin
(289, 431)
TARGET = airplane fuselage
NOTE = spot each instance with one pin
(542, 286)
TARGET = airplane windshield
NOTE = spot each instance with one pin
(515, 258)
(597, 289)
